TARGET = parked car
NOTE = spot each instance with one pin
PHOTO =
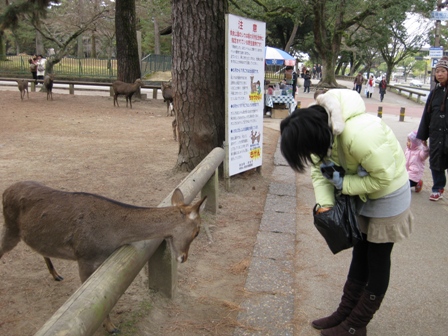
(416, 82)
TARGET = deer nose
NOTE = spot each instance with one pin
(182, 258)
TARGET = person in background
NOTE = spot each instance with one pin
(40, 68)
(304, 69)
(294, 83)
(33, 67)
(375, 171)
(382, 87)
(433, 125)
(370, 87)
(307, 82)
(319, 71)
(416, 153)
(359, 80)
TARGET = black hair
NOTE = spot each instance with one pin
(303, 133)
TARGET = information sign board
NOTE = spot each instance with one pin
(436, 52)
(439, 15)
(245, 49)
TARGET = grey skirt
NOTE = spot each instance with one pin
(389, 229)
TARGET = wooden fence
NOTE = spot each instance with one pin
(80, 85)
(83, 313)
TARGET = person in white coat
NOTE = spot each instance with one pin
(40, 68)
(370, 87)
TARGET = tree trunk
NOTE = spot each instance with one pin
(40, 50)
(93, 51)
(156, 30)
(198, 73)
(128, 63)
(2, 46)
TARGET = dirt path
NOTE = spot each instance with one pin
(83, 143)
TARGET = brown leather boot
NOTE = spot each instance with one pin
(351, 294)
(359, 318)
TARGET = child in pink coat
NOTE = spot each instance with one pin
(416, 153)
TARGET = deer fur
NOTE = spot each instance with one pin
(122, 88)
(88, 228)
(23, 86)
(167, 93)
(48, 83)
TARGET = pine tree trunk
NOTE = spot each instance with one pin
(128, 63)
(198, 74)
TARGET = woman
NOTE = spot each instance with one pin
(370, 87)
(337, 130)
(33, 67)
(40, 68)
(434, 126)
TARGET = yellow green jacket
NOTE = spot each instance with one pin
(364, 140)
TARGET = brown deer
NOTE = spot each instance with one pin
(167, 93)
(88, 228)
(48, 83)
(127, 89)
(23, 86)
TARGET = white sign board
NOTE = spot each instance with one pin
(439, 15)
(436, 52)
(245, 42)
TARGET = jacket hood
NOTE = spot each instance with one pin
(341, 105)
(415, 143)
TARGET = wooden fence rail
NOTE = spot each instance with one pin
(155, 86)
(83, 313)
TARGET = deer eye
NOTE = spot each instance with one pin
(197, 234)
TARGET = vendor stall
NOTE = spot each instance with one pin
(281, 105)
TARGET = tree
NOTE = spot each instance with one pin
(11, 14)
(128, 62)
(335, 20)
(400, 46)
(198, 73)
(62, 30)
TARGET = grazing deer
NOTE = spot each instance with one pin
(88, 227)
(23, 86)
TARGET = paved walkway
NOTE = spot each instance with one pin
(294, 278)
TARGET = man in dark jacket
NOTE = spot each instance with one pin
(434, 125)
(359, 80)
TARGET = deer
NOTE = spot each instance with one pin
(88, 227)
(48, 84)
(167, 93)
(23, 86)
(126, 89)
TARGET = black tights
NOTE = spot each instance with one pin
(371, 264)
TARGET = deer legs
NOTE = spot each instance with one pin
(52, 270)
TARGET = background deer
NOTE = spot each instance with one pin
(23, 86)
(88, 228)
(48, 83)
(122, 88)
(167, 93)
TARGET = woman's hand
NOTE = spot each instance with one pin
(320, 210)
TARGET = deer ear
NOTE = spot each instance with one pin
(198, 208)
(178, 198)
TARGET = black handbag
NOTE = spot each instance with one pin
(339, 225)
